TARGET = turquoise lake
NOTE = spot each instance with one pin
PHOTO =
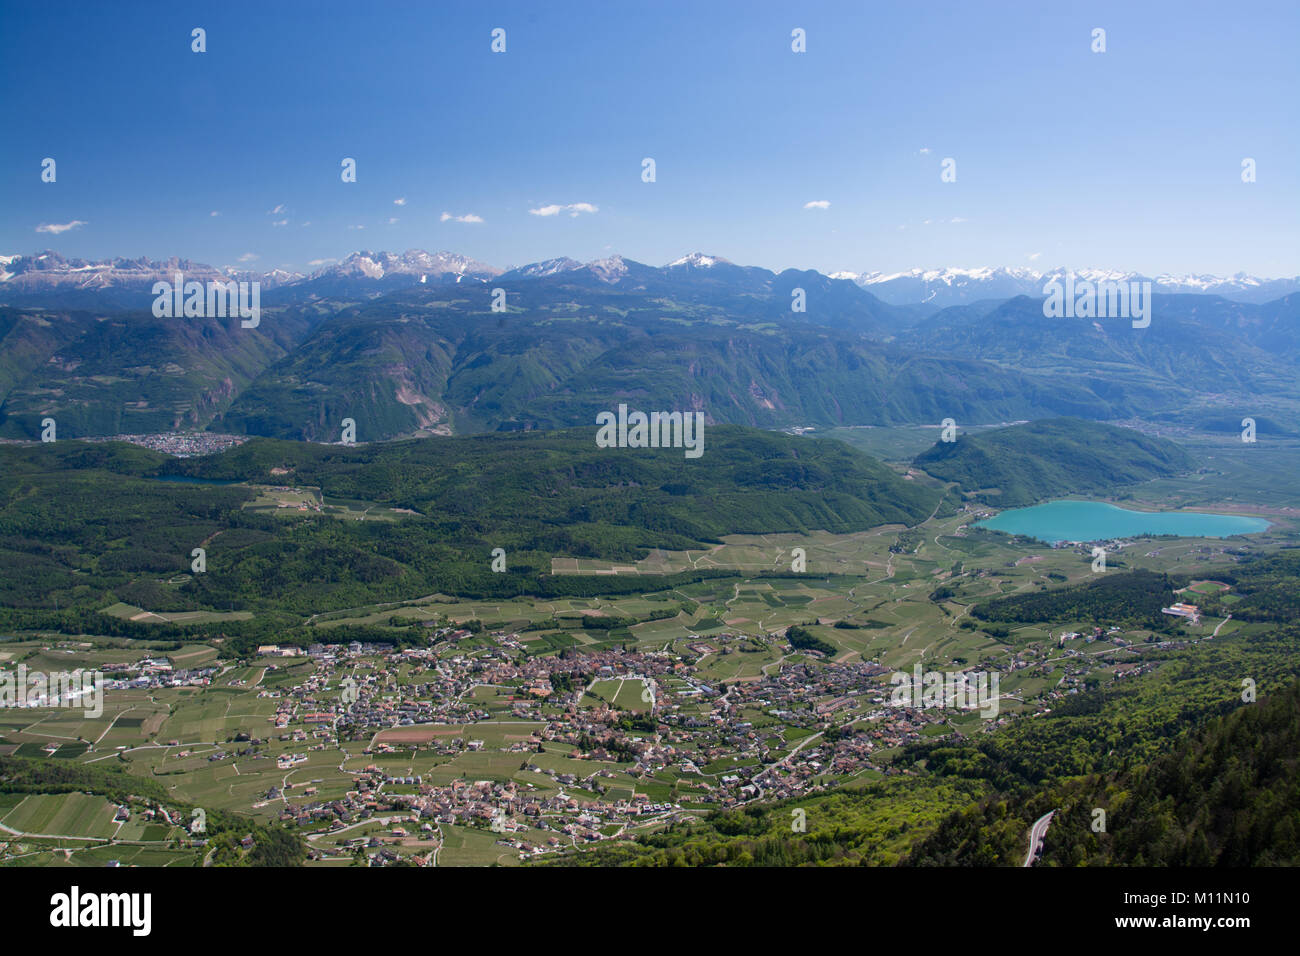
(1096, 521)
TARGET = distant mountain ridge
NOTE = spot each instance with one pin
(48, 272)
(414, 263)
(953, 286)
(415, 344)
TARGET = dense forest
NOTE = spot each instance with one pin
(1228, 795)
(1268, 588)
(84, 526)
(1223, 794)
(1130, 598)
(1022, 464)
(802, 639)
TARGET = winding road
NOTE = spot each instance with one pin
(1036, 834)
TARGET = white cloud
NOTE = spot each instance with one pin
(572, 209)
(925, 150)
(957, 219)
(248, 257)
(468, 217)
(393, 220)
(214, 213)
(322, 262)
(818, 204)
(400, 201)
(1033, 255)
(356, 227)
(58, 227)
(276, 211)
(280, 222)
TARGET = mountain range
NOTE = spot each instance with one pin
(947, 287)
(410, 344)
(45, 272)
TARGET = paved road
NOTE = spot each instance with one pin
(1036, 834)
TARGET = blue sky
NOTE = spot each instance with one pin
(1127, 159)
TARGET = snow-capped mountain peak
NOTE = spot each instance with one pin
(610, 269)
(547, 267)
(697, 260)
(413, 262)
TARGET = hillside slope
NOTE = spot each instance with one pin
(437, 359)
(89, 524)
(1022, 464)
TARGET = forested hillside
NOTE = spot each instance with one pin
(1022, 464)
(1131, 598)
(85, 525)
(1227, 795)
